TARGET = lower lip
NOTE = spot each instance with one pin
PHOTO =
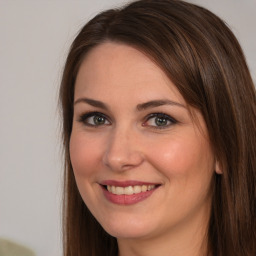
(127, 199)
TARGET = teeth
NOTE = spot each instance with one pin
(130, 189)
(137, 189)
(119, 190)
(144, 188)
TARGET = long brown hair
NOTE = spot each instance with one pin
(202, 57)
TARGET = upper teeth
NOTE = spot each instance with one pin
(130, 189)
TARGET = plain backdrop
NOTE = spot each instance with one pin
(34, 38)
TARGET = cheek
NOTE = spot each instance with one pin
(183, 155)
(84, 154)
(186, 163)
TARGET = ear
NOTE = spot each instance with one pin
(218, 169)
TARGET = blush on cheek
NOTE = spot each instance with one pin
(83, 155)
(182, 155)
(175, 157)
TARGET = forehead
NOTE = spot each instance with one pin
(115, 67)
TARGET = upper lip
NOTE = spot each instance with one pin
(126, 183)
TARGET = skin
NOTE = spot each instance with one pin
(128, 145)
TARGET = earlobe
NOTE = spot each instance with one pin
(218, 169)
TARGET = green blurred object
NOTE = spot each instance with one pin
(9, 248)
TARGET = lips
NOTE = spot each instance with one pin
(127, 192)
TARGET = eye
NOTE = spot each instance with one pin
(94, 119)
(159, 121)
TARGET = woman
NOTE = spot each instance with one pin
(159, 135)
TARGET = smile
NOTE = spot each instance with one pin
(129, 190)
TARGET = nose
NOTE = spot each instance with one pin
(123, 151)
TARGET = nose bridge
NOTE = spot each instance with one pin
(123, 149)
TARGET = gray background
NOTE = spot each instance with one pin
(34, 38)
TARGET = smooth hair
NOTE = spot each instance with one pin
(202, 57)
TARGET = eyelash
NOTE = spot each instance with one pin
(162, 116)
(84, 119)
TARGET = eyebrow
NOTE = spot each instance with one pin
(158, 103)
(140, 107)
(94, 103)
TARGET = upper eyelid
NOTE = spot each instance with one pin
(92, 113)
(159, 114)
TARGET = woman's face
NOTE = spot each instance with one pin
(142, 166)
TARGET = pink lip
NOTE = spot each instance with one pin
(126, 199)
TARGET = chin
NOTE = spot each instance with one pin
(127, 234)
(128, 229)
